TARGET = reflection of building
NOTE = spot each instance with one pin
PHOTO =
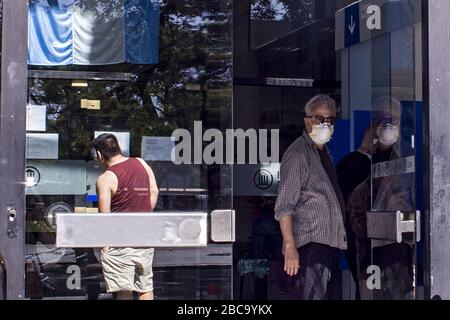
(282, 52)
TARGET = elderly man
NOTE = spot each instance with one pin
(310, 206)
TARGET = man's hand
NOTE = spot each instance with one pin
(291, 260)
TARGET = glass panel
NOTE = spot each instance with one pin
(393, 154)
(299, 49)
(2, 268)
(291, 58)
(143, 105)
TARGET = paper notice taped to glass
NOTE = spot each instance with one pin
(157, 148)
(36, 118)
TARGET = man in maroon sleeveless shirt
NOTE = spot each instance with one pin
(127, 185)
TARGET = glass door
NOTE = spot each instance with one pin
(187, 87)
(384, 209)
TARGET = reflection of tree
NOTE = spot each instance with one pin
(263, 10)
(295, 11)
(192, 77)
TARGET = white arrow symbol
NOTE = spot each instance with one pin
(352, 25)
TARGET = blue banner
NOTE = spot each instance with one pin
(64, 32)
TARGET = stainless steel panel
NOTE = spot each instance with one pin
(223, 226)
(131, 230)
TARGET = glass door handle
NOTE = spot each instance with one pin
(391, 225)
(407, 226)
(155, 229)
(223, 226)
(418, 226)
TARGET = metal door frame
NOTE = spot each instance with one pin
(12, 144)
(14, 81)
(436, 84)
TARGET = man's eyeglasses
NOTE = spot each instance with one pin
(321, 120)
(387, 120)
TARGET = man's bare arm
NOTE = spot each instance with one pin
(105, 184)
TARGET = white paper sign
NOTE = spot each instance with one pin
(36, 118)
(157, 148)
(122, 137)
(42, 145)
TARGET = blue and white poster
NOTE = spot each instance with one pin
(84, 32)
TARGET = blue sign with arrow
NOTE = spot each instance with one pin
(352, 31)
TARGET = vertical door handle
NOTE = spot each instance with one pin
(418, 226)
(407, 226)
(223, 226)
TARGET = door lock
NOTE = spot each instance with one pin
(12, 230)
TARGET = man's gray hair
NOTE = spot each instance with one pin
(319, 100)
(380, 104)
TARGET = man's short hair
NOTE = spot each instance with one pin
(318, 100)
(387, 103)
(107, 144)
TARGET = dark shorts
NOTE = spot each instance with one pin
(318, 278)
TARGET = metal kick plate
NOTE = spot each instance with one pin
(96, 230)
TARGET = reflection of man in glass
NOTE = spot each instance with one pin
(392, 191)
(310, 206)
(128, 185)
(352, 170)
(389, 191)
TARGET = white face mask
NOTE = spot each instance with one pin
(321, 134)
(388, 135)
